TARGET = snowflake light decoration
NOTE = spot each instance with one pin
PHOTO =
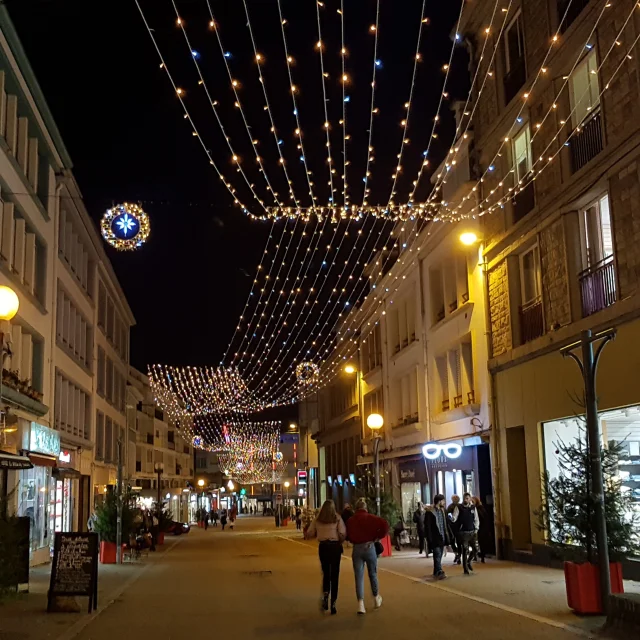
(125, 227)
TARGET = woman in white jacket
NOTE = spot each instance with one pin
(331, 532)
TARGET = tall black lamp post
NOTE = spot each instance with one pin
(375, 422)
(588, 365)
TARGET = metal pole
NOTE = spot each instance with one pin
(159, 493)
(597, 486)
(376, 453)
(119, 506)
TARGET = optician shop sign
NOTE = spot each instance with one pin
(42, 440)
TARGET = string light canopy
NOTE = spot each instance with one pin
(125, 227)
(391, 212)
(193, 391)
(307, 373)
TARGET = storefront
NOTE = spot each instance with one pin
(64, 493)
(414, 485)
(42, 446)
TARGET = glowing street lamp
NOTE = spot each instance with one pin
(350, 369)
(468, 238)
(287, 484)
(375, 422)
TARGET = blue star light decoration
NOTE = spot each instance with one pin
(125, 227)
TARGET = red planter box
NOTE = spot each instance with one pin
(161, 538)
(386, 543)
(108, 552)
(583, 586)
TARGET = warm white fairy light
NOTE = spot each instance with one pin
(345, 162)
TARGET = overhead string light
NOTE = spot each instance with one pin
(238, 103)
(214, 103)
(345, 100)
(296, 112)
(478, 209)
(373, 110)
(180, 95)
(327, 124)
(466, 116)
(405, 122)
(543, 158)
(259, 61)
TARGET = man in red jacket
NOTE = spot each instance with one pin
(363, 530)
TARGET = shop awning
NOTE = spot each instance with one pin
(42, 461)
(13, 461)
(66, 472)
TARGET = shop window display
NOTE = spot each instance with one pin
(620, 426)
(33, 503)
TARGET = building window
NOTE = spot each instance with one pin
(101, 372)
(455, 377)
(531, 313)
(73, 332)
(102, 306)
(372, 350)
(514, 59)
(373, 403)
(568, 11)
(108, 439)
(71, 249)
(99, 435)
(449, 287)
(402, 324)
(524, 199)
(598, 278)
(72, 408)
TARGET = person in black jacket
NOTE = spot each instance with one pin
(455, 527)
(466, 515)
(418, 518)
(438, 533)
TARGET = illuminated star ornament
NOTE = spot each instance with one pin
(125, 227)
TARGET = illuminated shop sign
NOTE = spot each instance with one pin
(433, 450)
(43, 440)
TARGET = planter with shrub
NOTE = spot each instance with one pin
(106, 523)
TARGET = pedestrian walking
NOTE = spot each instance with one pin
(347, 512)
(299, 518)
(223, 519)
(467, 515)
(418, 519)
(206, 520)
(214, 517)
(483, 537)
(155, 526)
(330, 530)
(438, 533)
(455, 528)
(364, 531)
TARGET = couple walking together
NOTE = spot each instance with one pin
(363, 530)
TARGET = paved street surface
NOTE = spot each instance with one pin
(255, 582)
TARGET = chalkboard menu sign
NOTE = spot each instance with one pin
(74, 571)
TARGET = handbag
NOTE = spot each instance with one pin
(379, 548)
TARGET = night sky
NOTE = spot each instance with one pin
(123, 126)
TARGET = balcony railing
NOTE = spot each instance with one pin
(531, 320)
(598, 286)
(445, 405)
(457, 401)
(575, 9)
(524, 201)
(514, 80)
(471, 397)
(586, 144)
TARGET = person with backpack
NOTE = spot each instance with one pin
(466, 515)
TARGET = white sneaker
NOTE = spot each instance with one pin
(378, 601)
(361, 609)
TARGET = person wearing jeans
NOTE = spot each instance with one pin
(329, 528)
(438, 531)
(363, 530)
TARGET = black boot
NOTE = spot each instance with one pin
(333, 608)
(325, 602)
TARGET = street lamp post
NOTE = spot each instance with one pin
(375, 422)
(287, 484)
(588, 366)
(201, 485)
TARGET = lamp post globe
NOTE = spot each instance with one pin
(9, 303)
(350, 369)
(375, 421)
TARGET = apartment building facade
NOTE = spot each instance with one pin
(61, 407)
(160, 461)
(561, 250)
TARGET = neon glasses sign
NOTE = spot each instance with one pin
(433, 451)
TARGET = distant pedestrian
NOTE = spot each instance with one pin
(330, 530)
(299, 518)
(155, 526)
(418, 519)
(438, 533)
(455, 527)
(364, 530)
(347, 512)
(205, 518)
(467, 516)
(223, 519)
(214, 517)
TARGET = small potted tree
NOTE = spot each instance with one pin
(391, 511)
(566, 516)
(106, 525)
(164, 522)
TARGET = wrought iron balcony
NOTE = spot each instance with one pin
(531, 320)
(586, 143)
(598, 286)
